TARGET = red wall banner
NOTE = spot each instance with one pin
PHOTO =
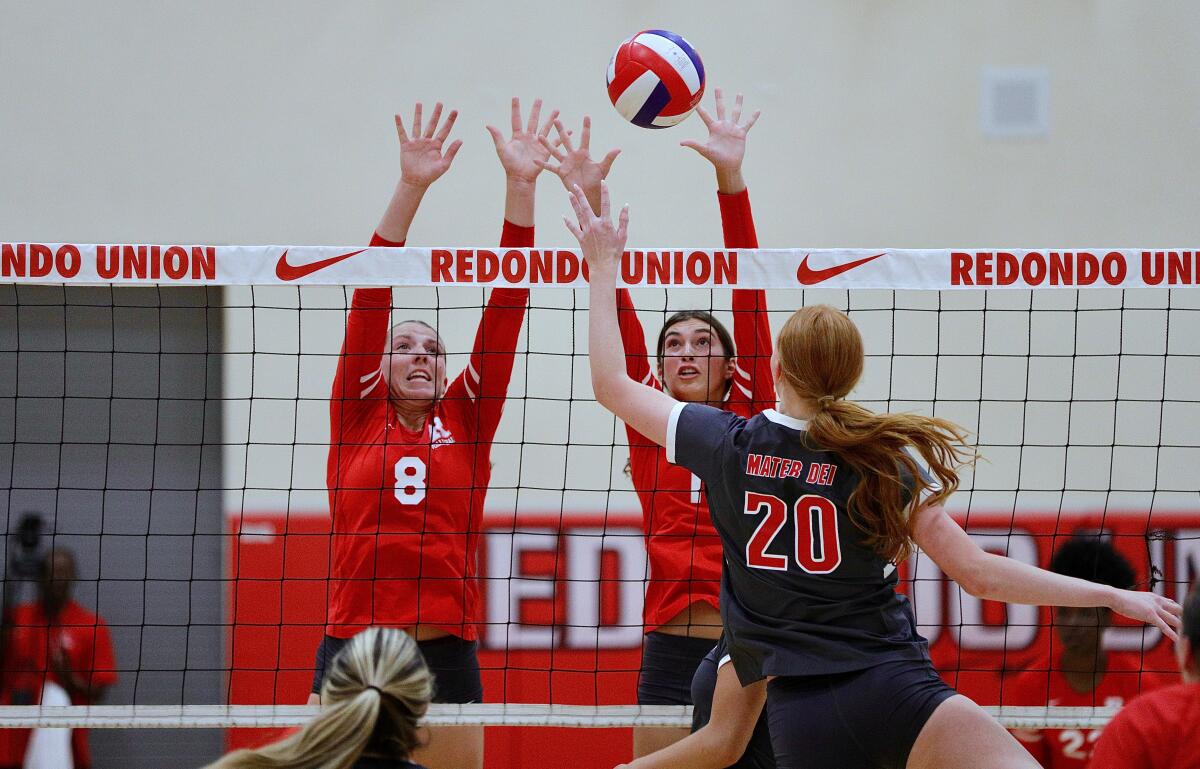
(564, 607)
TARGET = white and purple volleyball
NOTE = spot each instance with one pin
(655, 79)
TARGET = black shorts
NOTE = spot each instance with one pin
(864, 718)
(453, 661)
(759, 752)
(668, 664)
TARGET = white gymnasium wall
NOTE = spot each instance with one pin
(270, 122)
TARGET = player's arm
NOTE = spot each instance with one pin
(723, 740)
(487, 375)
(998, 578)
(573, 165)
(644, 408)
(422, 162)
(725, 148)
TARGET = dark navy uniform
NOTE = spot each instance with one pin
(759, 753)
(803, 597)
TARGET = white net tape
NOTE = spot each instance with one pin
(489, 714)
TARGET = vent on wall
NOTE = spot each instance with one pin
(1016, 102)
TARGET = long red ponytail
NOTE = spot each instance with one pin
(820, 354)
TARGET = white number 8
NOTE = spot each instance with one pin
(410, 480)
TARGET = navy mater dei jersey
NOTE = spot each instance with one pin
(801, 594)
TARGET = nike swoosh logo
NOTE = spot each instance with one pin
(810, 277)
(285, 271)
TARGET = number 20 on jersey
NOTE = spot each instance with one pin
(816, 549)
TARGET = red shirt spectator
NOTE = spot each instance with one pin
(1078, 672)
(1046, 683)
(1158, 730)
(55, 639)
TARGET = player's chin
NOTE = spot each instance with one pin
(689, 390)
(417, 390)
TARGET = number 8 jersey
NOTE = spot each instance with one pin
(407, 507)
(801, 594)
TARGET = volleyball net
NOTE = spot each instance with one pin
(164, 416)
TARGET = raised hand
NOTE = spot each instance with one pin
(523, 153)
(422, 160)
(575, 167)
(1151, 608)
(601, 241)
(726, 145)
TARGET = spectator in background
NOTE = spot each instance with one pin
(1158, 731)
(1078, 672)
(56, 648)
(375, 691)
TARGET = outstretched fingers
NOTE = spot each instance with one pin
(737, 109)
(452, 151)
(431, 126)
(400, 129)
(582, 210)
(706, 118)
(552, 148)
(516, 115)
(719, 99)
(585, 139)
(753, 119)
(497, 137)
(604, 202)
(564, 135)
(416, 123)
(607, 162)
(545, 130)
(623, 223)
(534, 115)
(444, 134)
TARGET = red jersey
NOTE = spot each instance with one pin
(83, 640)
(1156, 731)
(682, 546)
(1043, 683)
(407, 507)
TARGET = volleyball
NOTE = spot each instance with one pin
(655, 79)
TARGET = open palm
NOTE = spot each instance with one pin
(726, 144)
(522, 154)
(422, 161)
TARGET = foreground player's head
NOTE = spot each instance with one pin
(1091, 557)
(695, 357)
(57, 580)
(1187, 648)
(376, 690)
(818, 359)
(415, 367)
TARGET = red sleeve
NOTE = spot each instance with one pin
(103, 664)
(484, 383)
(752, 378)
(1121, 744)
(633, 338)
(359, 371)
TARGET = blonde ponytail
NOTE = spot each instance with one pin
(376, 691)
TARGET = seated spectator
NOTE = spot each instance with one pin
(1077, 671)
(55, 646)
(1158, 730)
(375, 692)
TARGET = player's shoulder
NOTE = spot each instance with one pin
(1158, 710)
(75, 613)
